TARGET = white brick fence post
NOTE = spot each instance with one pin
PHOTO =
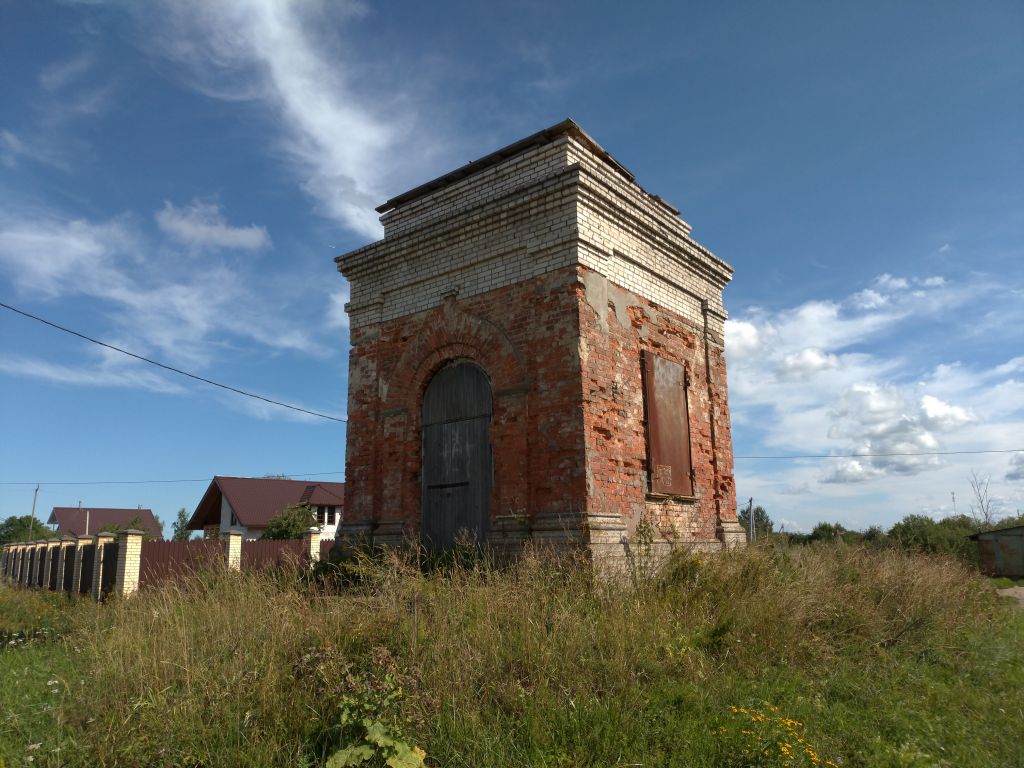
(129, 562)
(233, 548)
(312, 544)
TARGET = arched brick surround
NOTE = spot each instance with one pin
(448, 333)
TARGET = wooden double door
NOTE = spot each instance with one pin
(457, 462)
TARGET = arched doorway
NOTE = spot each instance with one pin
(456, 459)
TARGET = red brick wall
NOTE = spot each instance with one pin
(525, 337)
(615, 325)
(567, 430)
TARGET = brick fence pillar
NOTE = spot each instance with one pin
(129, 562)
(101, 539)
(311, 545)
(233, 549)
(76, 575)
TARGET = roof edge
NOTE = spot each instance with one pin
(567, 127)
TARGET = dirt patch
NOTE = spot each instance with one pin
(1014, 592)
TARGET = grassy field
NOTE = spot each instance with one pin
(809, 656)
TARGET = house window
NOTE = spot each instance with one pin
(320, 515)
(331, 512)
(667, 418)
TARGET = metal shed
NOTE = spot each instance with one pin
(1002, 552)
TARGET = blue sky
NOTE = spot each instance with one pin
(176, 177)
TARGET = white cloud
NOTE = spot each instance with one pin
(339, 132)
(940, 415)
(201, 225)
(60, 74)
(172, 306)
(856, 376)
(869, 299)
(807, 362)
(1016, 471)
(889, 283)
(336, 316)
(13, 149)
(104, 374)
(741, 338)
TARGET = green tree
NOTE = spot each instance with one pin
(24, 528)
(763, 524)
(827, 532)
(179, 528)
(919, 533)
(291, 523)
(137, 524)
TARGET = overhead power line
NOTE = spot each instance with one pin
(301, 475)
(170, 367)
(290, 476)
(874, 455)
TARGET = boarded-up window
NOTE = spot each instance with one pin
(668, 426)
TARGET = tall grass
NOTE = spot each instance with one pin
(883, 658)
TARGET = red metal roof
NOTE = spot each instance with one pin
(255, 500)
(72, 520)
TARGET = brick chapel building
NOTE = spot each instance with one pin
(537, 352)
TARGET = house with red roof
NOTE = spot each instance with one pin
(248, 503)
(88, 521)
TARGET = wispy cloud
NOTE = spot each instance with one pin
(58, 74)
(101, 374)
(183, 311)
(336, 316)
(202, 224)
(14, 149)
(339, 133)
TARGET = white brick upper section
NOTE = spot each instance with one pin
(551, 205)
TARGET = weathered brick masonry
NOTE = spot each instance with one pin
(548, 267)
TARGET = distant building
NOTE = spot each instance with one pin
(249, 503)
(1002, 552)
(88, 521)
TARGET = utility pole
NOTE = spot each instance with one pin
(752, 529)
(32, 525)
(953, 494)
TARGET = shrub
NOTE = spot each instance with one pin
(292, 523)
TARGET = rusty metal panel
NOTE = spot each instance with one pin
(168, 560)
(668, 426)
(272, 553)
